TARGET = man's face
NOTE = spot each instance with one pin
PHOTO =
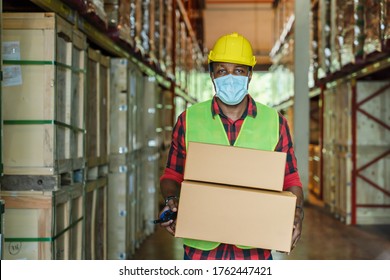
(221, 69)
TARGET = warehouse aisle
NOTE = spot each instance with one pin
(324, 238)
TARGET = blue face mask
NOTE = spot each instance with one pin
(231, 89)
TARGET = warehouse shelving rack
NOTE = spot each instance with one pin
(71, 203)
(106, 43)
(372, 67)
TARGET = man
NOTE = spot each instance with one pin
(231, 63)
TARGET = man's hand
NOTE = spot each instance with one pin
(298, 218)
(170, 226)
(297, 229)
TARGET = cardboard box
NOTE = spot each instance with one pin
(235, 166)
(236, 215)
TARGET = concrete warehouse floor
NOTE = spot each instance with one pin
(323, 238)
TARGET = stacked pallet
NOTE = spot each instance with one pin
(81, 157)
(43, 95)
(97, 118)
(44, 133)
(134, 161)
(121, 195)
(153, 135)
(347, 34)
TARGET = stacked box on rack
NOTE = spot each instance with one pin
(372, 31)
(95, 13)
(97, 108)
(44, 225)
(168, 43)
(95, 219)
(167, 116)
(179, 49)
(44, 139)
(328, 155)
(324, 29)
(150, 183)
(144, 34)
(43, 89)
(149, 156)
(118, 17)
(151, 113)
(348, 32)
(121, 211)
(138, 16)
(97, 151)
(119, 106)
(121, 231)
(385, 22)
(136, 140)
(154, 21)
(136, 145)
(159, 23)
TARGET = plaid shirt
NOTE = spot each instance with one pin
(176, 162)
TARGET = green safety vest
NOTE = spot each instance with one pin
(261, 132)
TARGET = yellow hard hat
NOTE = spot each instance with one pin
(232, 48)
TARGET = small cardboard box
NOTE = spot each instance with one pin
(236, 215)
(235, 166)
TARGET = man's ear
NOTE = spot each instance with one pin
(250, 75)
(212, 80)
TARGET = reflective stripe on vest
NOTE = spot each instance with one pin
(261, 132)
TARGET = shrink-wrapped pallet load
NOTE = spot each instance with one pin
(372, 30)
(346, 28)
(145, 26)
(118, 18)
(159, 34)
(324, 32)
(96, 14)
(385, 24)
(336, 29)
(168, 42)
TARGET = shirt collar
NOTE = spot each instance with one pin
(251, 110)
